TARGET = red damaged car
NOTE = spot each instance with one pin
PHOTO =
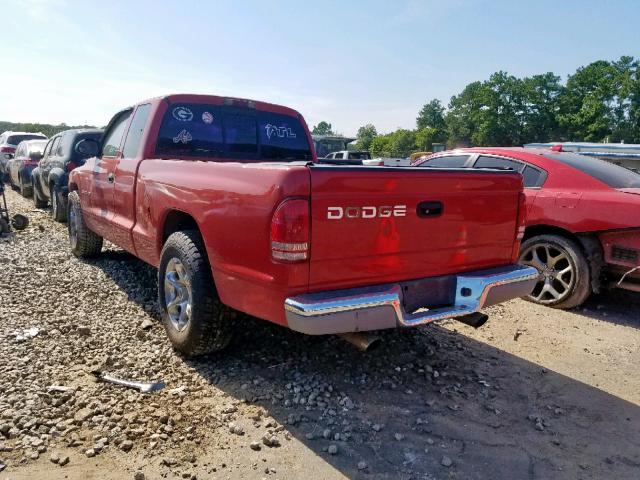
(583, 219)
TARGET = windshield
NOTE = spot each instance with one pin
(202, 130)
(16, 139)
(613, 175)
(36, 147)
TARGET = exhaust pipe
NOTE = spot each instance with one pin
(476, 320)
(363, 341)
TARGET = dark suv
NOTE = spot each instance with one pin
(64, 152)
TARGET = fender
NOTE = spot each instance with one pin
(59, 178)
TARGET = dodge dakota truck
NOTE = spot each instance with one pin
(226, 198)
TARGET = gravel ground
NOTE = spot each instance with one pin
(535, 393)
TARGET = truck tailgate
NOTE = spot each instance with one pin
(375, 225)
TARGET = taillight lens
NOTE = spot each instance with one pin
(7, 149)
(521, 225)
(290, 231)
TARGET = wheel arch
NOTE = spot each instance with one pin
(588, 242)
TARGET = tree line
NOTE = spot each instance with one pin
(600, 102)
(45, 128)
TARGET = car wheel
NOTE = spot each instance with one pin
(195, 320)
(37, 198)
(58, 212)
(565, 279)
(84, 243)
(25, 190)
(20, 222)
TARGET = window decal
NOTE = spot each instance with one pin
(207, 118)
(183, 137)
(281, 132)
(182, 114)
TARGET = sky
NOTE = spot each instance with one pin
(348, 63)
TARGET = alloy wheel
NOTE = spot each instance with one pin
(556, 269)
(177, 294)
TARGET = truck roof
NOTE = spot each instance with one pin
(220, 100)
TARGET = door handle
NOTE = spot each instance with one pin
(430, 209)
(110, 178)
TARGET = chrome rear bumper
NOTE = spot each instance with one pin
(381, 306)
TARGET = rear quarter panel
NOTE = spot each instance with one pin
(233, 204)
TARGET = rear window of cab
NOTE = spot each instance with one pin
(214, 131)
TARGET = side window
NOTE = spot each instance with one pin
(113, 137)
(450, 161)
(132, 143)
(54, 146)
(47, 149)
(498, 162)
(532, 177)
(64, 142)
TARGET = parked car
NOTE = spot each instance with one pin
(387, 162)
(27, 155)
(64, 152)
(345, 157)
(224, 196)
(583, 219)
(8, 143)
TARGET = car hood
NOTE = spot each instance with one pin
(635, 191)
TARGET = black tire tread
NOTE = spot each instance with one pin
(59, 214)
(89, 243)
(37, 199)
(213, 323)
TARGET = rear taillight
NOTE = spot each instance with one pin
(290, 227)
(521, 225)
(70, 166)
(7, 150)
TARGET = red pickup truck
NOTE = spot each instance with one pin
(225, 197)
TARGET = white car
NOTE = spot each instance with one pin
(387, 162)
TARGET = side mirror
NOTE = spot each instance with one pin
(87, 147)
(8, 156)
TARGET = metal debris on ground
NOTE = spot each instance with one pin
(26, 334)
(143, 387)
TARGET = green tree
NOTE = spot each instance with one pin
(381, 146)
(322, 128)
(365, 136)
(431, 115)
(597, 101)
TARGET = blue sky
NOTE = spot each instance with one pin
(349, 63)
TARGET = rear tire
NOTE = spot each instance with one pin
(84, 243)
(565, 278)
(58, 212)
(195, 319)
(25, 190)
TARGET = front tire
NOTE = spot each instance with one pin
(37, 197)
(565, 278)
(84, 243)
(195, 320)
(58, 212)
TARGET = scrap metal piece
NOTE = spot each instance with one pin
(142, 387)
(26, 334)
